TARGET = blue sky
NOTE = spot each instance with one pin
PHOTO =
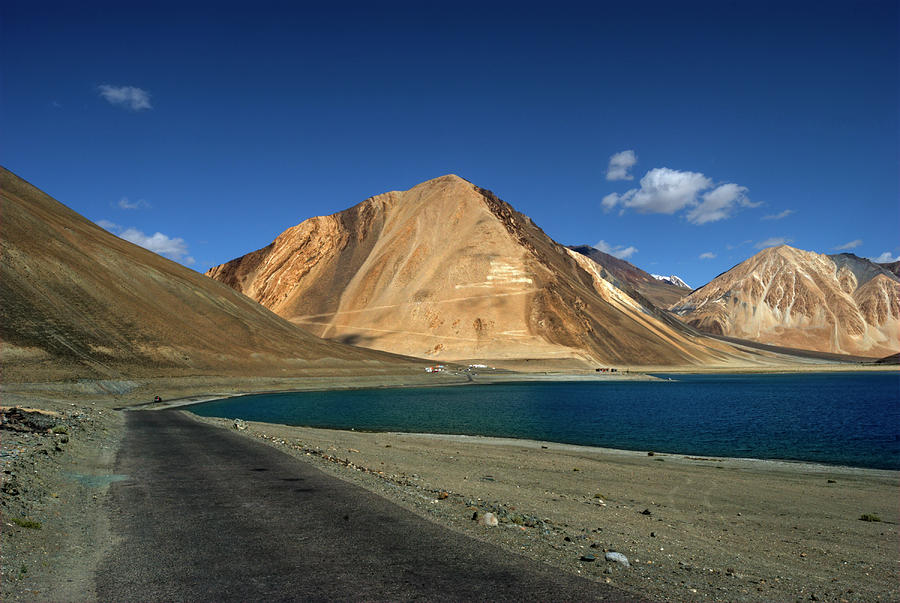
(683, 136)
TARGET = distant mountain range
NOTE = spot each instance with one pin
(443, 271)
(789, 297)
(446, 270)
(77, 302)
(661, 291)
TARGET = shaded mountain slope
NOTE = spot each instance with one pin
(839, 304)
(627, 275)
(78, 302)
(449, 271)
(892, 267)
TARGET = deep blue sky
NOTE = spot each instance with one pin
(222, 124)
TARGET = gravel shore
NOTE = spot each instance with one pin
(692, 528)
(57, 463)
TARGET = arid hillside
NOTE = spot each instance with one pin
(789, 297)
(626, 275)
(77, 302)
(446, 270)
(892, 267)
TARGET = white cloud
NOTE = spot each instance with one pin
(773, 242)
(729, 247)
(107, 225)
(619, 251)
(126, 96)
(886, 258)
(173, 248)
(717, 204)
(619, 164)
(850, 245)
(709, 255)
(779, 215)
(610, 201)
(666, 191)
(124, 203)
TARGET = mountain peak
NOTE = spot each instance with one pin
(451, 179)
(449, 271)
(672, 280)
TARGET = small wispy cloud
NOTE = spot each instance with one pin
(619, 164)
(773, 242)
(128, 97)
(124, 203)
(107, 225)
(850, 245)
(780, 215)
(610, 201)
(620, 251)
(886, 258)
(709, 255)
(729, 246)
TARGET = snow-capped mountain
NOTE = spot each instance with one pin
(672, 280)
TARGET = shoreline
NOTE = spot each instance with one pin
(187, 402)
(718, 529)
(457, 381)
(802, 465)
(694, 528)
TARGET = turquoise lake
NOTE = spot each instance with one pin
(845, 419)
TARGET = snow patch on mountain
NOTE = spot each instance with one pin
(672, 280)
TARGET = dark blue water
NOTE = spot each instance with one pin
(845, 419)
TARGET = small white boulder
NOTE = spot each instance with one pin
(488, 520)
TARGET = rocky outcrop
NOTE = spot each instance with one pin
(77, 302)
(447, 270)
(789, 297)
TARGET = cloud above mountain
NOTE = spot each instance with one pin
(173, 248)
(667, 191)
(886, 258)
(773, 242)
(620, 251)
(780, 215)
(850, 245)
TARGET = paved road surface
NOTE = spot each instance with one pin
(209, 515)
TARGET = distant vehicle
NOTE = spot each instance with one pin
(157, 399)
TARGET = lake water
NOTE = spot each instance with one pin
(845, 419)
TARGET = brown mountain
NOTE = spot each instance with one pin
(892, 267)
(795, 298)
(626, 275)
(78, 302)
(447, 270)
